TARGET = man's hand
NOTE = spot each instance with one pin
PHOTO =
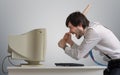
(67, 38)
(62, 43)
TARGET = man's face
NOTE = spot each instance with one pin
(78, 31)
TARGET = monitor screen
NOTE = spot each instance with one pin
(30, 46)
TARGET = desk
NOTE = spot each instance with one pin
(56, 70)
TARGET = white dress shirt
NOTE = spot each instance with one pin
(96, 37)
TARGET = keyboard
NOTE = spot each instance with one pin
(69, 64)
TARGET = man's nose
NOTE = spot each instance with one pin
(70, 32)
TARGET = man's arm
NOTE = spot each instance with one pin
(90, 41)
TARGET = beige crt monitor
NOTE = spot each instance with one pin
(30, 46)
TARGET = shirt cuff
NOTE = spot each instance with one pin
(65, 47)
(74, 46)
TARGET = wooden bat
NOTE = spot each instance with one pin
(85, 11)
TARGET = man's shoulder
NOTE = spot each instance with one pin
(94, 23)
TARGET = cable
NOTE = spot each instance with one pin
(9, 62)
(12, 63)
(3, 64)
(91, 55)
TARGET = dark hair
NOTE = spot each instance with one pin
(76, 18)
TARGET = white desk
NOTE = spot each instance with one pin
(86, 70)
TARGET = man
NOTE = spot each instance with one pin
(96, 37)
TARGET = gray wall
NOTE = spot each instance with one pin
(20, 16)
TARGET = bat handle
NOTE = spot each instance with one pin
(85, 11)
